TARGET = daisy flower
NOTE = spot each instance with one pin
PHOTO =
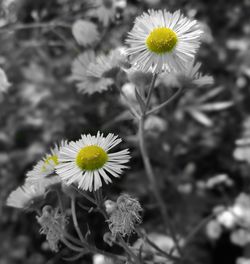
(190, 75)
(161, 41)
(87, 161)
(45, 168)
(26, 196)
(89, 81)
(85, 32)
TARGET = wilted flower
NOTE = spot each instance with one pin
(45, 168)
(26, 197)
(88, 160)
(85, 32)
(125, 215)
(89, 82)
(4, 83)
(53, 223)
(161, 41)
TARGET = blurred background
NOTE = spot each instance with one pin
(199, 145)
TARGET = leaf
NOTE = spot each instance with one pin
(215, 106)
(201, 118)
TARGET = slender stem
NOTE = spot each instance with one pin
(60, 202)
(149, 169)
(88, 197)
(71, 246)
(152, 244)
(132, 255)
(74, 217)
(130, 106)
(16, 27)
(150, 92)
(159, 107)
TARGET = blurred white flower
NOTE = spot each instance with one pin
(217, 180)
(161, 41)
(4, 83)
(88, 160)
(26, 196)
(155, 124)
(240, 237)
(85, 32)
(243, 261)
(227, 219)
(101, 259)
(45, 168)
(242, 150)
(213, 229)
(88, 82)
(105, 10)
(190, 75)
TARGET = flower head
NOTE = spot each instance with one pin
(26, 196)
(84, 72)
(53, 223)
(88, 160)
(161, 41)
(45, 168)
(85, 32)
(124, 215)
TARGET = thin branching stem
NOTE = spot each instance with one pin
(75, 222)
(159, 107)
(149, 169)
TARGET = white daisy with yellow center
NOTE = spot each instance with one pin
(45, 168)
(87, 161)
(161, 41)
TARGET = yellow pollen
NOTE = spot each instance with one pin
(91, 158)
(161, 40)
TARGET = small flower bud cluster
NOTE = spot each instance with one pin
(52, 224)
(124, 215)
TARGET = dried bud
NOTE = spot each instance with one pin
(125, 215)
(53, 223)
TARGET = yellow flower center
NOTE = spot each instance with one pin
(50, 160)
(161, 40)
(91, 158)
